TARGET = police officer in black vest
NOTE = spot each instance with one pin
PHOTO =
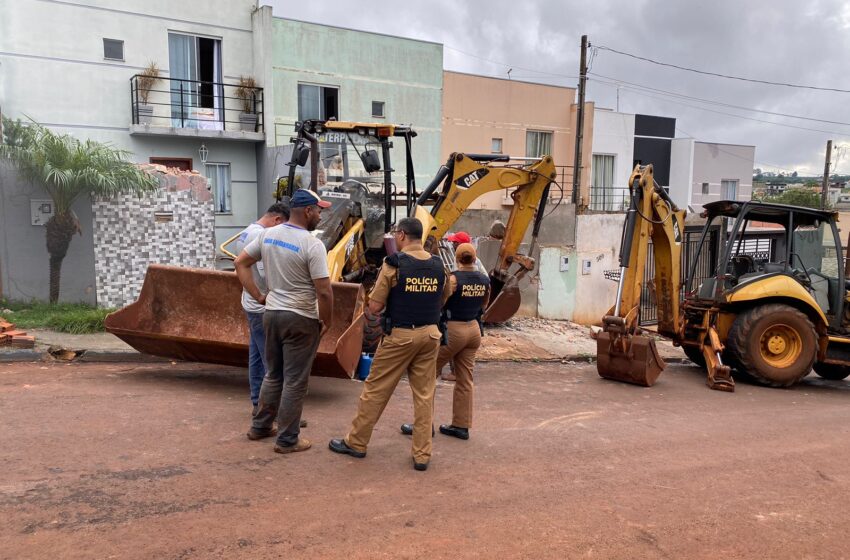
(470, 293)
(412, 287)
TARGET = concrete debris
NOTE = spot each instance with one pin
(532, 339)
(64, 354)
(9, 336)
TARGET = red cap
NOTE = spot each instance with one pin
(459, 237)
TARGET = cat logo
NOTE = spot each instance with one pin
(677, 233)
(471, 178)
(349, 247)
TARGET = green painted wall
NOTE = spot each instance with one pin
(406, 74)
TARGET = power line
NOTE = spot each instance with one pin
(507, 65)
(639, 92)
(719, 103)
(762, 163)
(719, 75)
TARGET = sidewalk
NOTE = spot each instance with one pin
(521, 340)
(90, 348)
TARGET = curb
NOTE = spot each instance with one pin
(105, 356)
(90, 356)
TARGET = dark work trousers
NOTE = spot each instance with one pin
(291, 344)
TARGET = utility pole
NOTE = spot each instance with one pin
(582, 83)
(825, 187)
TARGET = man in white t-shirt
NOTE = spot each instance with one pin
(277, 214)
(299, 310)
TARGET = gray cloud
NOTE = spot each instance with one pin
(776, 40)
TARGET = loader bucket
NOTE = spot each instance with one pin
(196, 315)
(503, 306)
(639, 363)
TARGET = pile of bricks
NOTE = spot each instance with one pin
(9, 336)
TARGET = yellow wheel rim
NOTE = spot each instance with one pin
(780, 346)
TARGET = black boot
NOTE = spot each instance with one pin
(407, 429)
(454, 431)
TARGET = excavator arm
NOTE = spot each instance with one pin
(465, 178)
(622, 353)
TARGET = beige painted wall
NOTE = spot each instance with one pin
(477, 109)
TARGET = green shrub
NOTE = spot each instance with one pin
(73, 318)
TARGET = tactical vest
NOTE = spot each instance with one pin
(465, 303)
(415, 299)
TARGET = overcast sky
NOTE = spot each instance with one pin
(792, 41)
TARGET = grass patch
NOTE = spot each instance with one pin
(73, 318)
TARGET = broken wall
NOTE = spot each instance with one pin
(175, 225)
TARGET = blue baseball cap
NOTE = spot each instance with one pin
(303, 198)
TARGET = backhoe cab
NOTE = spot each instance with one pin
(766, 310)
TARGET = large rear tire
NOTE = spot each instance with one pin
(694, 354)
(373, 331)
(833, 372)
(775, 344)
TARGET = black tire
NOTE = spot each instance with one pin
(751, 348)
(694, 354)
(833, 372)
(373, 331)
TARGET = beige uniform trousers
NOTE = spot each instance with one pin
(464, 341)
(404, 350)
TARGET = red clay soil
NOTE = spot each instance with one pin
(151, 461)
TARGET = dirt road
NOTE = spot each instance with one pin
(119, 461)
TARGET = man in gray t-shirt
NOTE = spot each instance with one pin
(298, 311)
(277, 214)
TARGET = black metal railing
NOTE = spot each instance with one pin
(609, 199)
(196, 104)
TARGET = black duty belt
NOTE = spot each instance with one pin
(410, 326)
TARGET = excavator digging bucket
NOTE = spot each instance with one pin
(639, 364)
(196, 315)
(504, 305)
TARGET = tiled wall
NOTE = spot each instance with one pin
(175, 225)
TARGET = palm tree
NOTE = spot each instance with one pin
(68, 168)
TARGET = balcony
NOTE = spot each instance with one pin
(195, 109)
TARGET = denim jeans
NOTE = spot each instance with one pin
(291, 344)
(256, 354)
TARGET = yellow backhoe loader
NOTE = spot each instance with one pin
(767, 315)
(195, 314)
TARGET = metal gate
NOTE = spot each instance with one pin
(704, 269)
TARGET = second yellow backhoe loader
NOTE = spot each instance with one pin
(195, 314)
(769, 316)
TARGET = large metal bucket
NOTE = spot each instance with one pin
(196, 315)
(631, 359)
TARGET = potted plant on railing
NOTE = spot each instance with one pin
(144, 84)
(246, 92)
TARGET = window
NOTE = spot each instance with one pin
(113, 49)
(496, 146)
(317, 102)
(729, 189)
(538, 143)
(602, 195)
(194, 69)
(378, 109)
(183, 164)
(705, 188)
(219, 177)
